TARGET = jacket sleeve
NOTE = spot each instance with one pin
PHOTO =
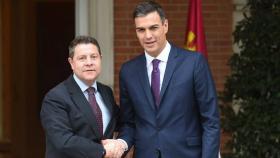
(206, 98)
(127, 113)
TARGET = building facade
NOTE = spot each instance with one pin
(33, 53)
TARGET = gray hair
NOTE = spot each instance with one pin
(82, 40)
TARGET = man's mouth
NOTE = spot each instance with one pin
(89, 70)
(149, 43)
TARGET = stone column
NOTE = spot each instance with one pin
(95, 18)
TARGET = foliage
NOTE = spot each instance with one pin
(253, 88)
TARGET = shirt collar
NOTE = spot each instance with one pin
(163, 56)
(82, 85)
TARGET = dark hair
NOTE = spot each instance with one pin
(146, 7)
(82, 40)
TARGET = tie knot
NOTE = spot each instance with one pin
(91, 90)
(155, 63)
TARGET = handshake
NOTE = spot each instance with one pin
(114, 148)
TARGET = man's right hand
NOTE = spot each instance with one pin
(114, 148)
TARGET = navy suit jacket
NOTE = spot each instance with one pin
(186, 124)
(69, 122)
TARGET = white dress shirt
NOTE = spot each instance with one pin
(163, 57)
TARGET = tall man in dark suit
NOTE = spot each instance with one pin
(79, 112)
(167, 95)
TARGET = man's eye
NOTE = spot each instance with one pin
(153, 28)
(140, 30)
(81, 58)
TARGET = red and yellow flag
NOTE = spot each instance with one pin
(195, 37)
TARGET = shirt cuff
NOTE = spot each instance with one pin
(124, 143)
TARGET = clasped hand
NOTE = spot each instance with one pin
(114, 148)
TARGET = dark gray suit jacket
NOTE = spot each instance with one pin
(69, 123)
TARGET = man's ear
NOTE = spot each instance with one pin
(70, 60)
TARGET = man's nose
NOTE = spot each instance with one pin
(89, 61)
(148, 34)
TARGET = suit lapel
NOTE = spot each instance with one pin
(82, 104)
(105, 97)
(170, 68)
(143, 76)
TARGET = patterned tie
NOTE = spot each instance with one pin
(155, 81)
(95, 107)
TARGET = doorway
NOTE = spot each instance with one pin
(55, 30)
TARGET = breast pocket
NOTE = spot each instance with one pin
(182, 82)
(77, 120)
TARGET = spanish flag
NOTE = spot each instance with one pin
(195, 37)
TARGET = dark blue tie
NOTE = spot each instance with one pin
(155, 81)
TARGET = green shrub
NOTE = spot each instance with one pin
(253, 87)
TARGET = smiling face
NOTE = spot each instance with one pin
(86, 63)
(151, 32)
